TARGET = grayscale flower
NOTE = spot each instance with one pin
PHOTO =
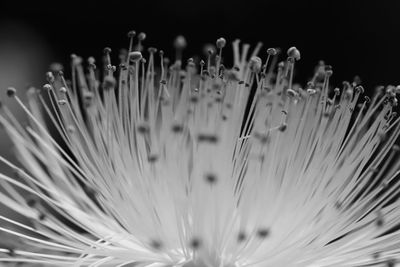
(193, 164)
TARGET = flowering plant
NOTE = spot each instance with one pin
(195, 165)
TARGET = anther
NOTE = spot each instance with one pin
(194, 99)
(271, 51)
(293, 52)
(141, 36)
(209, 49)
(346, 85)
(131, 34)
(62, 102)
(311, 91)
(195, 243)
(87, 98)
(390, 263)
(327, 68)
(376, 255)
(76, 60)
(135, 56)
(152, 158)
(206, 73)
(107, 50)
(359, 89)
(71, 129)
(328, 73)
(190, 63)
(221, 42)
(210, 178)
(152, 50)
(255, 64)
(63, 90)
(338, 205)
(208, 138)
(180, 42)
(156, 244)
(282, 127)
(11, 91)
(310, 85)
(143, 129)
(241, 236)
(291, 93)
(263, 233)
(31, 202)
(42, 216)
(379, 220)
(91, 61)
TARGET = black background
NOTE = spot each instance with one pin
(355, 37)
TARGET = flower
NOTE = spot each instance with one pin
(198, 165)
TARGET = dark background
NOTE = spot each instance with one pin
(355, 37)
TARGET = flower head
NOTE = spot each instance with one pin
(195, 164)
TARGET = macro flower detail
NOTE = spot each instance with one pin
(163, 163)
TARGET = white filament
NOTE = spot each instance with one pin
(170, 171)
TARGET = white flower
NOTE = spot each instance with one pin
(197, 165)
